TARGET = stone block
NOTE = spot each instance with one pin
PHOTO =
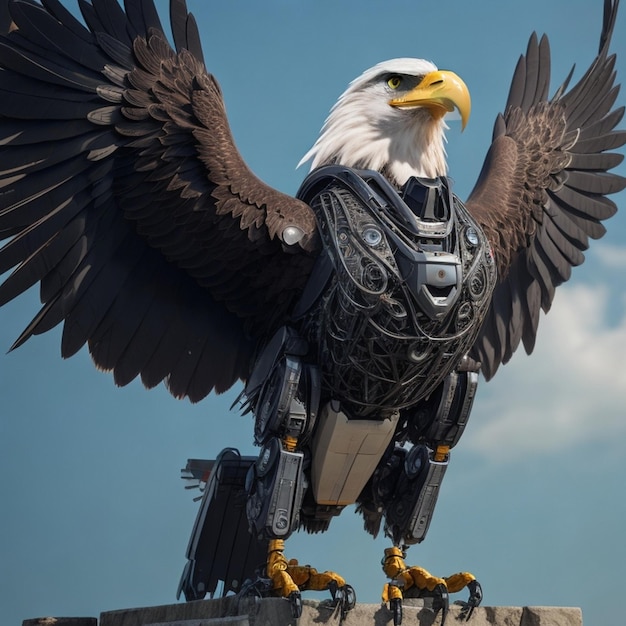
(277, 612)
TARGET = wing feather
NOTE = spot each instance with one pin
(95, 284)
(596, 161)
(542, 191)
(142, 17)
(124, 196)
(70, 28)
(563, 241)
(112, 18)
(603, 126)
(41, 30)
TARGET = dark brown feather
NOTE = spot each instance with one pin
(541, 192)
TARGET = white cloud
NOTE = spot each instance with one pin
(571, 390)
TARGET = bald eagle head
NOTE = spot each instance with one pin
(391, 119)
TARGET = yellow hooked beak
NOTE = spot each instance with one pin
(440, 92)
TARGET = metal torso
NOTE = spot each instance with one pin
(361, 398)
(400, 291)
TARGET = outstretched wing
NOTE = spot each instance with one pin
(123, 195)
(542, 191)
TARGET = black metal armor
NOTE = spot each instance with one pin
(400, 291)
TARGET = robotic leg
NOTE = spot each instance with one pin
(410, 482)
(284, 394)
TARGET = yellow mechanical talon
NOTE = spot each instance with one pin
(404, 578)
(289, 578)
(456, 582)
(393, 594)
(308, 578)
(407, 577)
(277, 570)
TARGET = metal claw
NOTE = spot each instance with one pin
(475, 598)
(348, 600)
(441, 601)
(395, 604)
(344, 596)
(258, 587)
(295, 600)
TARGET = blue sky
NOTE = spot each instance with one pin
(94, 515)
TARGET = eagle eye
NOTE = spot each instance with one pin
(394, 81)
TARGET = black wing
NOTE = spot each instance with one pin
(542, 191)
(123, 195)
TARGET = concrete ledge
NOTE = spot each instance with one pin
(277, 612)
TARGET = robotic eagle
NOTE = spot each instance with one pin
(358, 314)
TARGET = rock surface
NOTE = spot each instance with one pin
(276, 612)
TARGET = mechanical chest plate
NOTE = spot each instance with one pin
(411, 280)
